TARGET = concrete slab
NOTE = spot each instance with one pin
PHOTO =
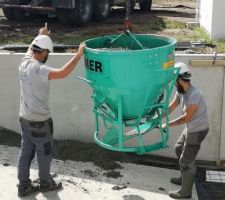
(85, 181)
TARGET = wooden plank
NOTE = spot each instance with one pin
(196, 63)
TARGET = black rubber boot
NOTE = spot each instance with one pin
(186, 189)
(24, 190)
(53, 185)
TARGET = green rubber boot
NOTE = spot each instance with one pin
(186, 189)
(176, 181)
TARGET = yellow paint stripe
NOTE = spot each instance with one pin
(168, 64)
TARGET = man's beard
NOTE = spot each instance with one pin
(180, 89)
(45, 59)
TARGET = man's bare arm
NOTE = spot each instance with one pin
(186, 117)
(68, 67)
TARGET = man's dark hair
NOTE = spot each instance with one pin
(185, 80)
(36, 49)
(185, 76)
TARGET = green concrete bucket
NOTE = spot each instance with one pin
(132, 77)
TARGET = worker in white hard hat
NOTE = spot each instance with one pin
(35, 118)
(194, 117)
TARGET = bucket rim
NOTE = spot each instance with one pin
(172, 41)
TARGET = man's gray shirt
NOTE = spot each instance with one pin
(199, 120)
(35, 85)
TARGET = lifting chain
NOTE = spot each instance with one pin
(127, 23)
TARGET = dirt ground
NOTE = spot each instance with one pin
(89, 152)
(178, 10)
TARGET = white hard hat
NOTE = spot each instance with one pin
(184, 72)
(43, 42)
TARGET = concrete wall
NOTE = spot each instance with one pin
(211, 17)
(71, 105)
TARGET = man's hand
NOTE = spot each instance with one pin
(164, 126)
(44, 30)
(80, 51)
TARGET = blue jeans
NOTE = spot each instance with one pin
(36, 138)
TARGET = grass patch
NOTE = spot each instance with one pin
(220, 46)
(171, 28)
(159, 25)
(63, 39)
(68, 39)
(171, 1)
(200, 34)
(156, 25)
(173, 24)
(16, 41)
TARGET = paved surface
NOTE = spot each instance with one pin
(84, 181)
